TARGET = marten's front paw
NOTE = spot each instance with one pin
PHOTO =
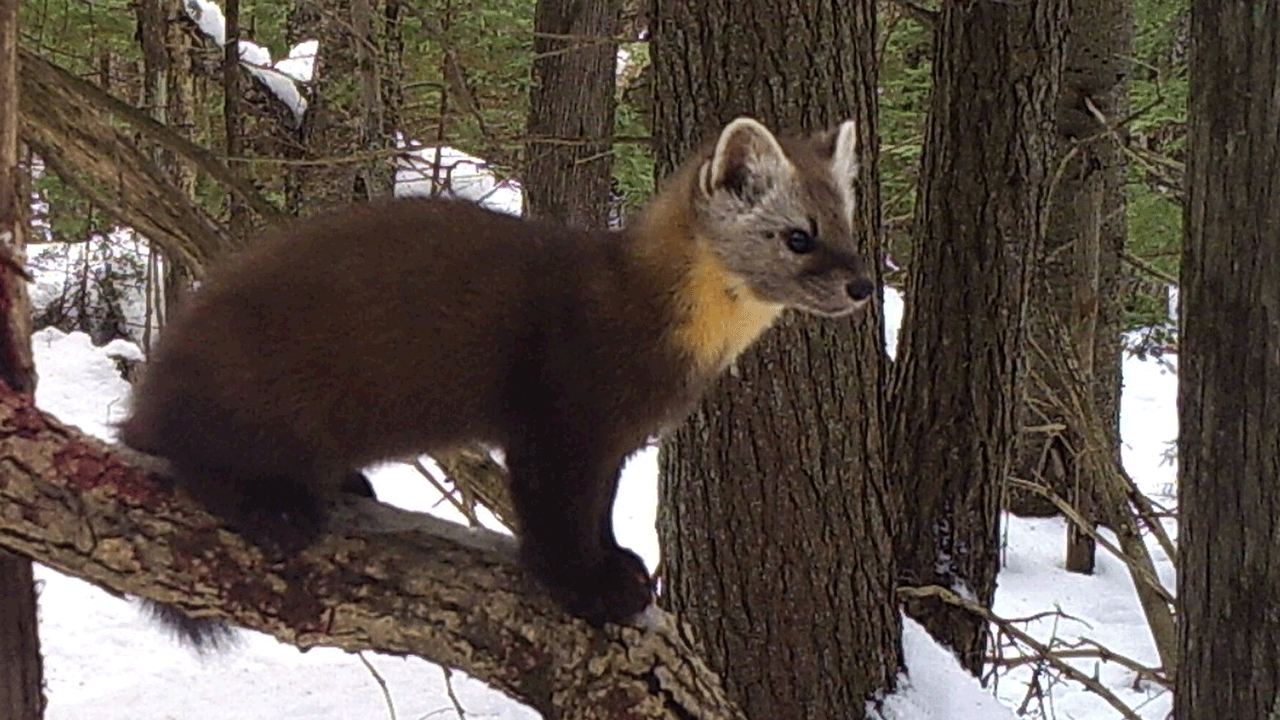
(615, 590)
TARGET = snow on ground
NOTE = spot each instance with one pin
(937, 688)
(105, 661)
(1102, 607)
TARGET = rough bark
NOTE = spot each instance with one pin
(1076, 287)
(569, 153)
(352, 113)
(774, 503)
(387, 580)
(21, 667)
(1229, 368)
(984, 181)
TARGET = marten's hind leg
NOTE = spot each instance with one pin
(280, 513)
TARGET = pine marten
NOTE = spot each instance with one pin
(410, 325)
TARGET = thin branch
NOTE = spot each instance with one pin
(1099, 652)
(1043, 651)
(1071, 513)
(1150, 517)
(453, 697)
(382, 683)
(1148, 268)
(450, 495)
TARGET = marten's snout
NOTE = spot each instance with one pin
(860, 290)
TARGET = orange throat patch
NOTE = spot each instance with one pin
(719, 315)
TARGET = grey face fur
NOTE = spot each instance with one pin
(779, 215)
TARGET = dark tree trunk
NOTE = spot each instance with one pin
(354, 105)
(168, 87)
(1076, 287)
(988, 160)
(21, 668)
(1229, 373)
(568, 156)
(774, 500)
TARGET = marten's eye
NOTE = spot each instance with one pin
(802, 241)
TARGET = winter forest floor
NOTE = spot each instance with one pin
(104, 660)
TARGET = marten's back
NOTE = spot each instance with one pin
(368, 333)
(406, 325)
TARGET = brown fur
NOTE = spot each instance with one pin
(410, 325)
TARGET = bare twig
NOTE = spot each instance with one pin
(467, 509)
(453, 697)
(1148, 268)
(1071, 513)
(940, 593)
(1155, 675)
(1150, 517)
(377, 677)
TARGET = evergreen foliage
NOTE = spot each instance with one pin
(466, 85)
(1158, 86)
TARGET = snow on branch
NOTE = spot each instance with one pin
(386, 580)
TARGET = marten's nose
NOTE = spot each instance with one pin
(861, 289)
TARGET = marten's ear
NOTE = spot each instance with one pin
(840, 146)
(844, 161)
(748, 161)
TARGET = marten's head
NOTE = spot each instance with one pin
(779, 215)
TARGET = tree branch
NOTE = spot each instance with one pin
(385, 580)
(1041, 650)
(40, 73)
(71, 123)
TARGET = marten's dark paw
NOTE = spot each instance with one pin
(279, 514)
(616, 590)
(280, 533)
(357, 483)
(281, 517)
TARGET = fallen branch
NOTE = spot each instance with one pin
(1071, 513)
(1110, 489)
(385, 580)
(940, 593)
(1097, 652)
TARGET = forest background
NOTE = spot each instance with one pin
(227, 143)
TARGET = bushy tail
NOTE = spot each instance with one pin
(204, 635)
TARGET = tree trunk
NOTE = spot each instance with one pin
(1076, 286)
(21, 668)
(1229, 373)
(168, 87)
(352, 115)
(568, 156)
(985, 174)
(774, 500)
